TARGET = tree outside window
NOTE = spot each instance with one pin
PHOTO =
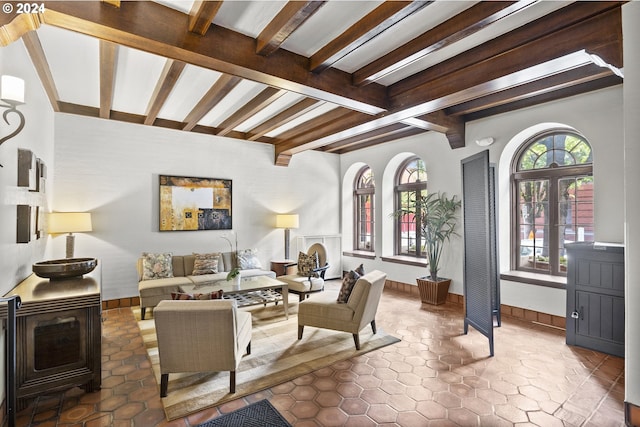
(364, 193)
(553, 188)
(411, 184)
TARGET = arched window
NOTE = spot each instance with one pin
(411, 184)
(552, 178)
(363, 201)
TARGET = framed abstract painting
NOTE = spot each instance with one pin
(190, 203)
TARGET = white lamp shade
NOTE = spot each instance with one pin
(12, 90)
(69, 222)
(287, 221)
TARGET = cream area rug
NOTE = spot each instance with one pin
(276, 356)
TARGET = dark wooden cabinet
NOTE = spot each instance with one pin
(595, 297)
(58, 335)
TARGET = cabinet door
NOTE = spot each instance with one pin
(595, 298)
(600, 322)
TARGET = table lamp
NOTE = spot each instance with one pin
(287, 221)
(69, 222)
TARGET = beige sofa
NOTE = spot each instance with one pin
(155, 290)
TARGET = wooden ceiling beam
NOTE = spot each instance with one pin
(311, 125)
(570, 15)
(83, 110)
(259, 102)
(108, 57)
(289, 19)
(298, 109)
(372, 25)
(462, 25)
(114, 3)
(553, 83)
(391, 136)
(369, 136)
(218, 91)
(202, 14)
(39, 60)
(528, 62)
(136, 25)
(588, 86)
(332, 123)
(168, 79)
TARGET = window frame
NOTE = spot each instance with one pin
(552, 174)
(358, 192)
(398, 189)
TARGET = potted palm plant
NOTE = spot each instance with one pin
(437, 217)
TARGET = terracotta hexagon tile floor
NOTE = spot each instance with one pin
(436, 376)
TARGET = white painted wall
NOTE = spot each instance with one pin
(631, 37)
(37, 136)
(597, 115)
(111, 169)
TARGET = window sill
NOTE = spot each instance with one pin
(360, 254)
(538, 279)
(407, 260)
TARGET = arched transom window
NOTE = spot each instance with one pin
(553, 193)
(411, 184)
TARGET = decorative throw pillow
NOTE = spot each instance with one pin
(156, 266)
(205, 264)
(307, 263)
(348, 282)
(187, 296)
(248, 259)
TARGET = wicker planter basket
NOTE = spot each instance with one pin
(433, 292)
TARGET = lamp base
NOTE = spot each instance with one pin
(70, 244)
(286, 243)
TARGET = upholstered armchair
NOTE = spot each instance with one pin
(324, 311)
(201, 336)
(308, 280)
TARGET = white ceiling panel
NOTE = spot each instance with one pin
(75, 64)
(136, 75)
(327, 23)
(189, 89)
(240, 95)
(248, 18)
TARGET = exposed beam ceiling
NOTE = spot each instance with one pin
(315, 75)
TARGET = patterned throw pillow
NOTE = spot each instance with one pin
(248, 259)
(156, 266)
(348, 282)
(187, 296)
(205, 264)
(307, 263)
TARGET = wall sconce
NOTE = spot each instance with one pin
(11, 95)
(287, 221)
(69, 222)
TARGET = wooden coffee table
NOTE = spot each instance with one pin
(251, 291)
